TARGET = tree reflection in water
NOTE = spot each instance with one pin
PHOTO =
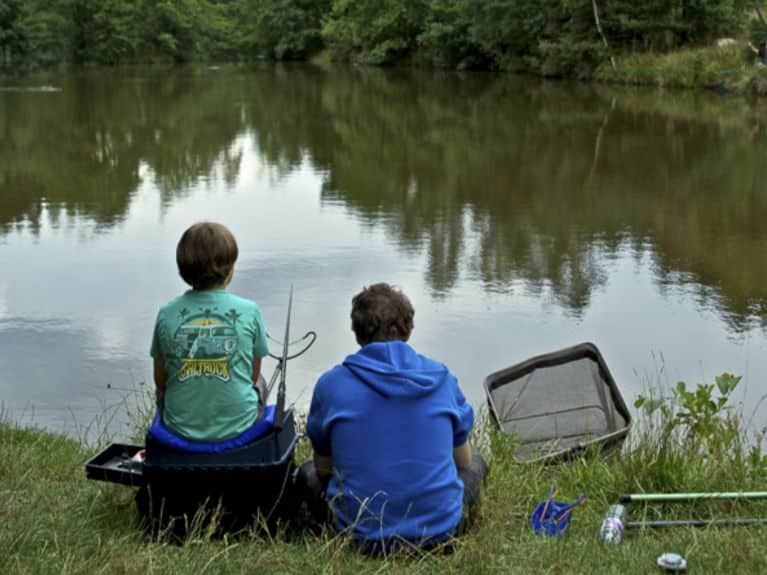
(497, 179)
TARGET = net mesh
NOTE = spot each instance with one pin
(556, 408)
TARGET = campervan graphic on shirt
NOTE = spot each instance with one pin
(205, 344)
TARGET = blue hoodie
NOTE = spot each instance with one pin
(390, 419)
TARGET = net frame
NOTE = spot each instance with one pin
(575, 353)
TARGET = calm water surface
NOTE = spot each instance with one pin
(520, 217)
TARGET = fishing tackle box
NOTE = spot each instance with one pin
(235, 485)
(115, 465)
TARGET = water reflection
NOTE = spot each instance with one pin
(508, 185)
(43, 361)
(83, 148)
(537, 172)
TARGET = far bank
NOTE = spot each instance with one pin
(664, 43)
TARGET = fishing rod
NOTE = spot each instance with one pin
(694, 523)
(280, 409)
(670, 497)
(614, 524)
(282, 362)
(282, 359)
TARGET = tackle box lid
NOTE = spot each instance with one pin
(115, 464)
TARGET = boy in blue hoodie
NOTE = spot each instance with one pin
(390, 428)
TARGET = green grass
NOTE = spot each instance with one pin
(731, 69)
(55, 521)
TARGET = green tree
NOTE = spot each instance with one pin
(108, 30)
(510, 31)
(708, 20)
(557, 37)
(221, 35)
(285, 29)
(35, 33)
(11, 41)
(446, 39)
(172, 28)
(374, 31)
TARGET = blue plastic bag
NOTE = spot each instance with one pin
(552, 517)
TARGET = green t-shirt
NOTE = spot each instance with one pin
(208, 340)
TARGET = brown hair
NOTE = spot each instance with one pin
(206, 254)
(381, 313)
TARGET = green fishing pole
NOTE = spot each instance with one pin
(672, 497)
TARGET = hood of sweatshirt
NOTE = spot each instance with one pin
(394, 369)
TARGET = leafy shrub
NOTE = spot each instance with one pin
(446, 39)
(34, 33)
(700, 415)
(757, 31)
(577, 60)
(374, 31)
(286, 29)
(508, 30)
(107, 31)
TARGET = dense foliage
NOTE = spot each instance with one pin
(46, 32)
(547, 36)
(561, 36)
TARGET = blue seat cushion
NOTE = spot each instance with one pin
(160, 433)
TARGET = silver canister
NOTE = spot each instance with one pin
(611, 530)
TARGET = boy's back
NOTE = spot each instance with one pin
(208, 340)
(208, 344)
(392, 417)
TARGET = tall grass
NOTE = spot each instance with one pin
(731, 68)
(52, 520)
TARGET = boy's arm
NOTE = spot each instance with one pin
(256, 369)
(160, 375)
(260, 344)
(462, 456)
(318, 434)
(461, 428)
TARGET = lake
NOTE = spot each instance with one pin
(520, 217)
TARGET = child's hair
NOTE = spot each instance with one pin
(381, 313)
(206, 254)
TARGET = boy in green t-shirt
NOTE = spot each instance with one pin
(208, 343)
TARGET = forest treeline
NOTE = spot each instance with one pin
(553, 37)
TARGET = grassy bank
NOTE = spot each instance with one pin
(730, 69)
(55, 521)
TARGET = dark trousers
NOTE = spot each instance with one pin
(312, 490)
